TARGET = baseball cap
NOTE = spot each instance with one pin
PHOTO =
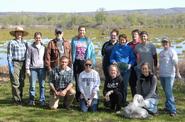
(58, 29)
(165, 39)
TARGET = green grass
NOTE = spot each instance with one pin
(13, 113)
(96, 34)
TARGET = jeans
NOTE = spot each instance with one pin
(40, 74)
(125, 75)
(151, 104)
(137, 71)
(167, 85)
(93, 107)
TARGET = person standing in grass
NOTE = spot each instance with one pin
(61, 84)
(146, 87)
(113, 90)
(35, 68)
(57, 48)
(106, 51)
(16, 55)
(123, 56)
(168, 67)
(133, 77)
(145, 52)
(89, 82)
(82, 49)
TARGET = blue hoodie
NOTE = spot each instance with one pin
(123, 54)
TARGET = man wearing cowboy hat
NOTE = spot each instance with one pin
(16, 51)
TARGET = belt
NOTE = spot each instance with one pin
(18, 60)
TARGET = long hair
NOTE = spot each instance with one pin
(149, 67)
(114, 65)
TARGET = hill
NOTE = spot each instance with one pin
(159, 11)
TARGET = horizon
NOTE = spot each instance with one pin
(93, 11)
(73, 6)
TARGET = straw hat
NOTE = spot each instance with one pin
(19, 29)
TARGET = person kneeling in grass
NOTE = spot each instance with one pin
(114, 89)
(89, 82)
(61, 84)
(146, 87)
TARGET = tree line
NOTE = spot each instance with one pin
(100, 19)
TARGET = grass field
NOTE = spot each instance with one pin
(13, 113)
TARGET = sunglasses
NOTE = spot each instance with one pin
(58, 32)
(88, 64)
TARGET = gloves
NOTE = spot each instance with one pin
(28, 72)
(107, 96)
(115, 63)
(11, 67)
(129, 66)
(178, 76)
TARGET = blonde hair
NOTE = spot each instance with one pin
(114, 65)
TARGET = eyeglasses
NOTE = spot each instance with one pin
(88, 64)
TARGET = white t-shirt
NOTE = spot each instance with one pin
(89, 83)
(168, 60)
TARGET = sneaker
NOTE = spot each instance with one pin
(173, 114)
(17, 103)
(165, 110)
(118, 112)
(42, 103)
(31, 103)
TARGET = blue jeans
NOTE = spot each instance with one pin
(84, 107)
(138, 71)
(37, 74)
(125, 75)
(167, 84)
(151, 104)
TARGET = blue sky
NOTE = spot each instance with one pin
(84, 5)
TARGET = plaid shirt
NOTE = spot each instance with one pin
(61, 78)
(16, 50)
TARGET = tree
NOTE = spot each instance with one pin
(100, 16)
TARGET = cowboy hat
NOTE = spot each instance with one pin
(19, 29)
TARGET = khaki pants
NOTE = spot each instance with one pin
(68, 99)
(17, 80)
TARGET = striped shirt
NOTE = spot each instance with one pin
(16, 50)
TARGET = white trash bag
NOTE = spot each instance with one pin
(135, 109)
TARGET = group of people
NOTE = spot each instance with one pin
(136, 62)
(123, 63)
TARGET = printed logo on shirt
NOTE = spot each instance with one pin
(112, 85)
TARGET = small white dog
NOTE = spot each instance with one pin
(135, 109)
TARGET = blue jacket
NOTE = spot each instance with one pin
(122, 53)
(90, 52)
